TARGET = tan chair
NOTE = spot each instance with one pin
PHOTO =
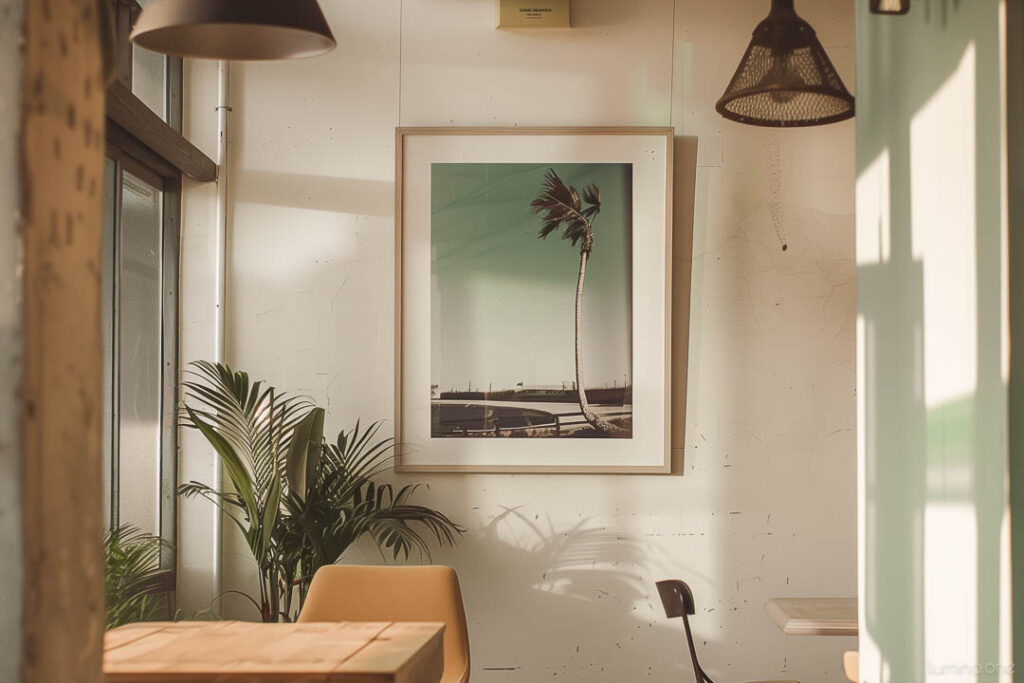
(357, 593)
(851, 665)
(677, 599)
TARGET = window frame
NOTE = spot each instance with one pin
(126, 12)
(169, 269)
(152, 148)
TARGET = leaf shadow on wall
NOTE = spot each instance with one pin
(562, 581)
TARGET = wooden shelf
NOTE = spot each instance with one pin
(814, 616)
(134, 119)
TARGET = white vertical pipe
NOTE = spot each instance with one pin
(220, 278)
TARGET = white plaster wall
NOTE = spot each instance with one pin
(12, 557)
(559, 571)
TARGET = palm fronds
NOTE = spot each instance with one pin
(392, 523)
(561, 208)
(592, 196)
(132, 583)
(344, 503)
(251, 427)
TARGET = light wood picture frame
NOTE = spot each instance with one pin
(496, 231)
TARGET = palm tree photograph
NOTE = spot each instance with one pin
(531, 300)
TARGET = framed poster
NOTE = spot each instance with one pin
(533, 299)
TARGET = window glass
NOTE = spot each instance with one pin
(149, 79)
(149, 74)
(138, 353)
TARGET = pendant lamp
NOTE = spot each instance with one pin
(234, 29)
(785, 79)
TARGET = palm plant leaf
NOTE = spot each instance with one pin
(592, 196)
(392, 520)
(240, 477)
(131, 579)
(256, 420)
(225, 500)
(305, 450)
(271, 510)
(561, 208)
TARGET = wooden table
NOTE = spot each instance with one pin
(814, 616)
(346, 652)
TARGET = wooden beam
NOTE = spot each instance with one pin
(118, 139)
(61, 224)
(130, 114)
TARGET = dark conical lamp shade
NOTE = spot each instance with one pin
(785, 79)
(234, 29)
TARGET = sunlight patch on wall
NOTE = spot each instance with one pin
(943, 229)
(874, 215)
(950, 606)
(281, 245)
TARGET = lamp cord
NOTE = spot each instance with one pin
(672, 68)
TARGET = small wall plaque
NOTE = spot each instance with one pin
(533, 13)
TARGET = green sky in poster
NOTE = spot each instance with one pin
(503, 300)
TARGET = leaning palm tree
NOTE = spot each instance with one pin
(563, 209)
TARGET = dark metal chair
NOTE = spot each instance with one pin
(677, 598)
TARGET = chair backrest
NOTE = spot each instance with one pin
(677, 599)
(358, 593)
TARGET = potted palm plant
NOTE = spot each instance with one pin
(299, 502)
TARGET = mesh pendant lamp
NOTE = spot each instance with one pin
(234, 29)
(785, 79)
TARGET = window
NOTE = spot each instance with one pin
(153, 78)
(140, 266)
(149, 80)
(146, 158)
